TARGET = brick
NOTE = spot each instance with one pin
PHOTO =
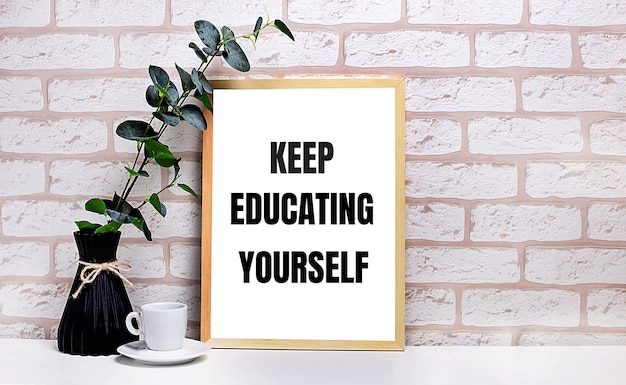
(71, 177)
(607, 221)
(86, 13)
(351, 11)
(603, 50)
(407, 49)
(457, 338)
(22, 330)
(218, 12)
(574, 93)
(185, 261)
(461, 265)
(525, 222)
(140, 50)
(98, 94)
(146, 259)
(310, 49)
(608, 137)
(465, 12)
(577, 12)
(25, 13)
(22, 177)
(41, 218)
(432, 136)
(576, 179)
(606, 307)
(24, 258)
(20, 94)
(460, 180)
(572, 339)
(435, 222)
(142, 293)
(430, 306)
(52, 136)
(57, 50)
(524, 49)
(33, 300)
(65, 260)
(524, 135)
(191, 175)
(510, 307)
(474, 93)
(572, 266)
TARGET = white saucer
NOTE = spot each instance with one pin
(138, 351)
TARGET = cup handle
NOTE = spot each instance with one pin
(129, 324)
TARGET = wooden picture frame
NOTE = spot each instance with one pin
(303, 215)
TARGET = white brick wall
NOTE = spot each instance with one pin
(515, 211)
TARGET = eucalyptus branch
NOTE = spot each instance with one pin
(170, 110)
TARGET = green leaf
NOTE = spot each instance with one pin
(198, 51)
(188, 189)
(195, 78)
(136, 130)
(110, 227)
(206, 85)
(141, 224)
(159, 76)
(208, 33)
(96, 205)
(158, 206)
(257, 27)
(167, 118)
(86, 226)
(282, 27)
(141, 173)
(205, 99)
(233, 54)
(152, 96)
(161, 154)
(185, 79)
(194, 116)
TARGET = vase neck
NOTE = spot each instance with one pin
(97, 248)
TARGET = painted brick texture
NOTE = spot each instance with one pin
(515, 211)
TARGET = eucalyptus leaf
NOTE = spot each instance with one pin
(282, 27)
(141, 173)
(86, 226)
(152, 96)
(194, 116)
(257, 27)
(188, 189)
(173, 95)
(167, 118)
(208, 33)
(158, 206)
(185, 79)
(96, 205)
(158, 76)
(198, 51)
(234, 55)
(110, 227)
(136, 130)
(205, 99)
(161, 154)
(195, 78)
(206, 85)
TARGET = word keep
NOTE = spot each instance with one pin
(301, 157)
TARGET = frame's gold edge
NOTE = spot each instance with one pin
(306, 83)
(207, 180)
(400, 211)
(277, 344)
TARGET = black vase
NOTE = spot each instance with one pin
(93, 323)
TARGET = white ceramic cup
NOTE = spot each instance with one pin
(163, 325)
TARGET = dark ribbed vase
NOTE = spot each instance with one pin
(93, 324)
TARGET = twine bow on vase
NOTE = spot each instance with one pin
(91, 270)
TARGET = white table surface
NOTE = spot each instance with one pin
(39, 362)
